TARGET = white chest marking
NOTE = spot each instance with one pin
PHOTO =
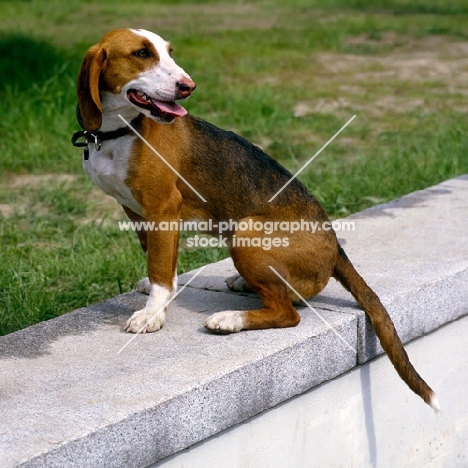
(108, 168)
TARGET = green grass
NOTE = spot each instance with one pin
(286, 76)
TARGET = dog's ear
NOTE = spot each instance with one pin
(89, 101)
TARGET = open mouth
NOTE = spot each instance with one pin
(166, 111)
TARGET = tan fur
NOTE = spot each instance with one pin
(88, 88)
(237, 179)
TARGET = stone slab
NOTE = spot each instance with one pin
(69, 399)
(412, 251)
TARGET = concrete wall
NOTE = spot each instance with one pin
(364, 418)
(286, 398)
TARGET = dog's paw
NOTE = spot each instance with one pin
(145, 321)
(238, 284)
(144, 286)
(225, 322)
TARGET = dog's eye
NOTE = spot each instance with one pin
(142, 53)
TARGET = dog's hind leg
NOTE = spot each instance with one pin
(237, 283)
(278, 311)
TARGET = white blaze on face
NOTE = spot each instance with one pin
(159, 81)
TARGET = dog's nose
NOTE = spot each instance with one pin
(185, 87)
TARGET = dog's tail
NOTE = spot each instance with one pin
(346, 274)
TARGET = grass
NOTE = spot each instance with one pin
(286, 77)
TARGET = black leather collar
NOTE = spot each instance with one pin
(96, 137)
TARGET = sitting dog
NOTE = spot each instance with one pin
(130, 76)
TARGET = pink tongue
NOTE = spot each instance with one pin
(171, 108)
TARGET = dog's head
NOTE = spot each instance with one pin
(131, 67)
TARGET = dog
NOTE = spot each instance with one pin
(130, 76)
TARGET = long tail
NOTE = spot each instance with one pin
(346, 274)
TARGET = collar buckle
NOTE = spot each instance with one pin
(95, 140)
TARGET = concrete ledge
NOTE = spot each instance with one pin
(68, 399)
(412, 251)
(363, 419)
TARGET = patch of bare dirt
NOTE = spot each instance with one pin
(22, 186)
(417, 66)
(105, 210)
(35, 181)
(386, 39)
(6, 210)
(426, 73)
(215, 17)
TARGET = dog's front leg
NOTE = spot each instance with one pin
(162, 275)
(141, 232)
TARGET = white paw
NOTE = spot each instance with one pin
(145, 321)
(238, 284)
(225, 322)
(144, 286)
